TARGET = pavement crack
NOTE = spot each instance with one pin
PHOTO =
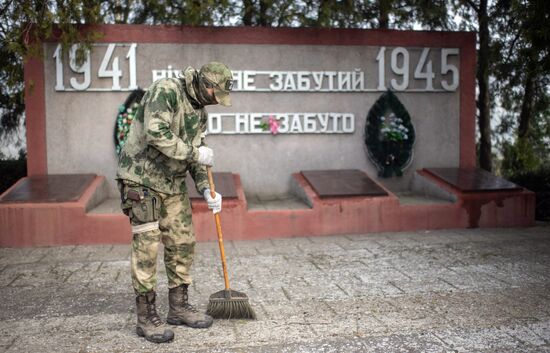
(447, 282)
(332, 310)
(340, 246)
(68, 276)
(303, 323)
(403, 273)
(498, 279)
(342, 289)
(117, 276)
(450, 269)
(546, 342)
(42, 257)
(359, 278)
(394, 285)
(439, 338)
(15, 279)
(287, 295)
(315, 265)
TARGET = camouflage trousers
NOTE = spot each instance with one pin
(175, 231)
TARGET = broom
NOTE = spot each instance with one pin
(227, 303)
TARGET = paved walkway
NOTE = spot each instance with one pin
(438, 291)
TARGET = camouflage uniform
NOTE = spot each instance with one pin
(175, 230)
(162, 146)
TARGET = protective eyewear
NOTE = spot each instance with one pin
(210, 84)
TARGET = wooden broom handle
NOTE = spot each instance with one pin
(218, 228)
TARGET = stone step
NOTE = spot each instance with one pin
(109, 205)
(413, 198)
(275, 202)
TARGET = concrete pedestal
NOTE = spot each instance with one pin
(433, 203)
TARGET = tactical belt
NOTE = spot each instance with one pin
(145, 227)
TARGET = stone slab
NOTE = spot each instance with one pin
(472, 179)
(49, 188)
(224, 183)
(344, 182)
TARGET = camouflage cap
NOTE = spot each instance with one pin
(220, 78)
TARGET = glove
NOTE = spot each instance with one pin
(206, 156)
(215, 204)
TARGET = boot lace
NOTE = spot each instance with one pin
(153, 317)
(185, 303)
(190, 308)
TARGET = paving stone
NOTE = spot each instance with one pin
(472, 281)
(467, 309)
(111, 271)
(422, 342)
(268, 331)
(404, 240)
(32, 275)
(319, 248)
(393, 343)
(111, 253)
(353, 317)
(526, 336)
(516, 275)
(61, 253)
(13, 256)
(22, 302)
(426, 285)
(527, 304)
(382, 275)
(269, 295)
(481, 290)
(481, 339)
(541, 329)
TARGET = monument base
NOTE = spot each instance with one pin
(435, 201)
(56, 213)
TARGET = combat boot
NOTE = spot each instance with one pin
(149, 323)
(183, 313)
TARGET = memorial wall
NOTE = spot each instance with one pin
(295, 106)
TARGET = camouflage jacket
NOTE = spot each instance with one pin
(163, 141)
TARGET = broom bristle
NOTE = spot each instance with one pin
(230, 304)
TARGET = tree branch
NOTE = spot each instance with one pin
(473, 5)
(5, 7)
(512, 47)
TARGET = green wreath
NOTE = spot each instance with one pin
(389, 136)
(125, 117)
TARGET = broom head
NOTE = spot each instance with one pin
(230, 304)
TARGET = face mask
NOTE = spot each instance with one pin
(203, 96)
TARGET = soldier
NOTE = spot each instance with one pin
(166, 140)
